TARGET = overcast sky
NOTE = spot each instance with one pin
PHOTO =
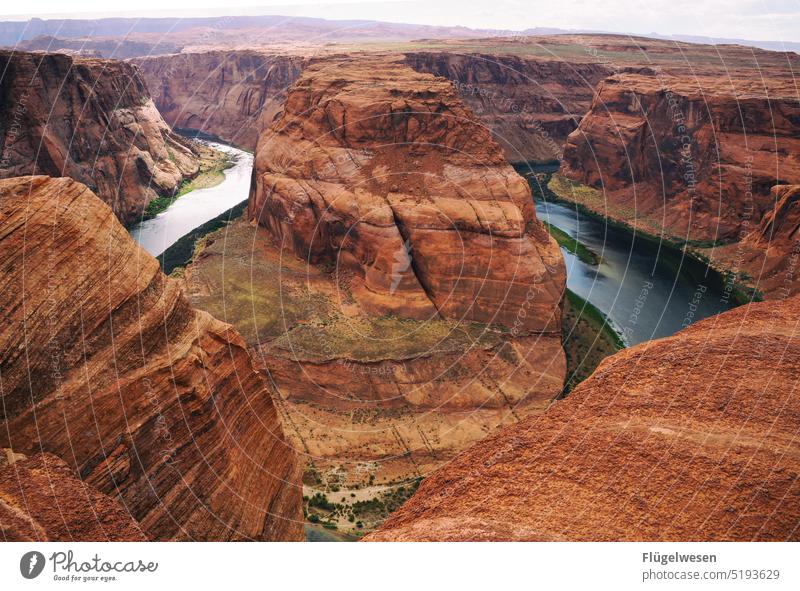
(777, 20)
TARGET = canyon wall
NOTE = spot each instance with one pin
(530, 105)
(233, 95)
(91, 120)
(106, 365)
(690, 437)
(692, 158)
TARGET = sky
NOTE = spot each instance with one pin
(773, 20)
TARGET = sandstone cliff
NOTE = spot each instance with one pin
(233, 95)
(91, 120)
(397, 286)
(106, 365)
(770, 253)
(685, 438)
(42, 500)
(530, 104)
(384, 173)
(693, 159)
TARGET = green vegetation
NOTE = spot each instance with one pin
(570, 244)
(587, 337)
(356, 515)
(384, 337)
(211, 173)
(183, 251)
(591, 202)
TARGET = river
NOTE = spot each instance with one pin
(646, 290)
(199, 206)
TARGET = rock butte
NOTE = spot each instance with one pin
(42, 500)
(690, 437)
(92, 120)
(384, 172)
(106, 365)
(425, 280)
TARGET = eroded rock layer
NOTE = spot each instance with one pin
(384, 172)
(694, 159)
(530, 104)
(42, 500)
(691, 437)
(92, 120)
(233, 95)
(106, 365)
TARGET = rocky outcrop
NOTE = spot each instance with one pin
(106, 365)
(91, 120)
(232, 95)
(694, 159)
(769, 255)
(530, 105)
(691, 437)
(397, 286)
(42, 500)
(383, 172)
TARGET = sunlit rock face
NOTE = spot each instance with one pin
(106, 365)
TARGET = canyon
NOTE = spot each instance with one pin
(230, 95)
(685, 438)
(397, 286)
(147, 400)
(91, 120)
(389, 307)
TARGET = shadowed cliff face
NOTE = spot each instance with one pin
(106, 365)
(530, 105)
(91, 120)
(233, 95)
(42, 500)
(694, 158)
(684, 438)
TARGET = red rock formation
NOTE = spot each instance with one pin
(41, 500)
(106, 365)
(91, 120)
(769, 254)
(233, 95)
(383, 172)
(530, 104)
(691, 437)
(692, 158)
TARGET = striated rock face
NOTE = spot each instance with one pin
(383, 172)
(91, 120)
(369, 398)
(41, 500)
(233, 95)
(692, 158)
(684, 438)
(530, 105)
(770, 253)
(106, 365)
